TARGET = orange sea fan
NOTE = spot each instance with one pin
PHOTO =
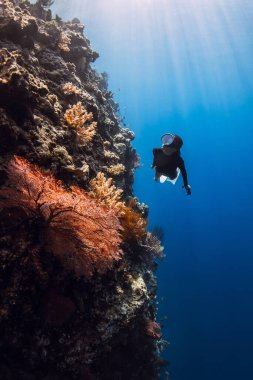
(80, 231)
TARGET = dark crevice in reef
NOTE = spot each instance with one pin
(77, 276)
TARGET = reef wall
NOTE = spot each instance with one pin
(77, 279)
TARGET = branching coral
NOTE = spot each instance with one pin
(115, 170)
(69, 89)
(87, 133)
(64, 42)
(104, 190)
(137, 161)
(80, 231)
(134, 225)
(110, 155)
(78, 118)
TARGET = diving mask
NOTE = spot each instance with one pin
(167, 139)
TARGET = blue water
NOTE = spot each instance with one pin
(186, 67)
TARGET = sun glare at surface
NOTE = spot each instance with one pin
(190, 45)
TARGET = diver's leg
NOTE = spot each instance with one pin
(173, 175)
(157, 175)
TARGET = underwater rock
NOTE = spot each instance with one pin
(56, 309)
(55, 324)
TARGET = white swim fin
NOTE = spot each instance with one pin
(163, 178)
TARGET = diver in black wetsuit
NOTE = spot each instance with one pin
(167, 160)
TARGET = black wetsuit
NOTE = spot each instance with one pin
(168, 164)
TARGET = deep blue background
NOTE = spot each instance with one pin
(186, 66)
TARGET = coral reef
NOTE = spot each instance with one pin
(77, 280)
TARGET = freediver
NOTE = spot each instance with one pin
(168, 162)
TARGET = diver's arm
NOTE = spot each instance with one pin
(184, 175)
(183, 171)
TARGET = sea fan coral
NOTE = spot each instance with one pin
(80, 231)
(78, 118)
(154, 245)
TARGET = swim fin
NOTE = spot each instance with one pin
(163, 178)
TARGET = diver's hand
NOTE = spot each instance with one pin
(188, 189)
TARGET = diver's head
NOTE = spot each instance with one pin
(168, 144)
(171, 143)
(167, 139)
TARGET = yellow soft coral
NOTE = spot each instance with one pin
(104, 190)
(116, 170)
(64, 42)
(69, 89)
(134, 225)
(77, 117)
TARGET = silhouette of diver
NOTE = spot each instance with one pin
(168, 161)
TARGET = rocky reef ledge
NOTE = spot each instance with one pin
(77, 279)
